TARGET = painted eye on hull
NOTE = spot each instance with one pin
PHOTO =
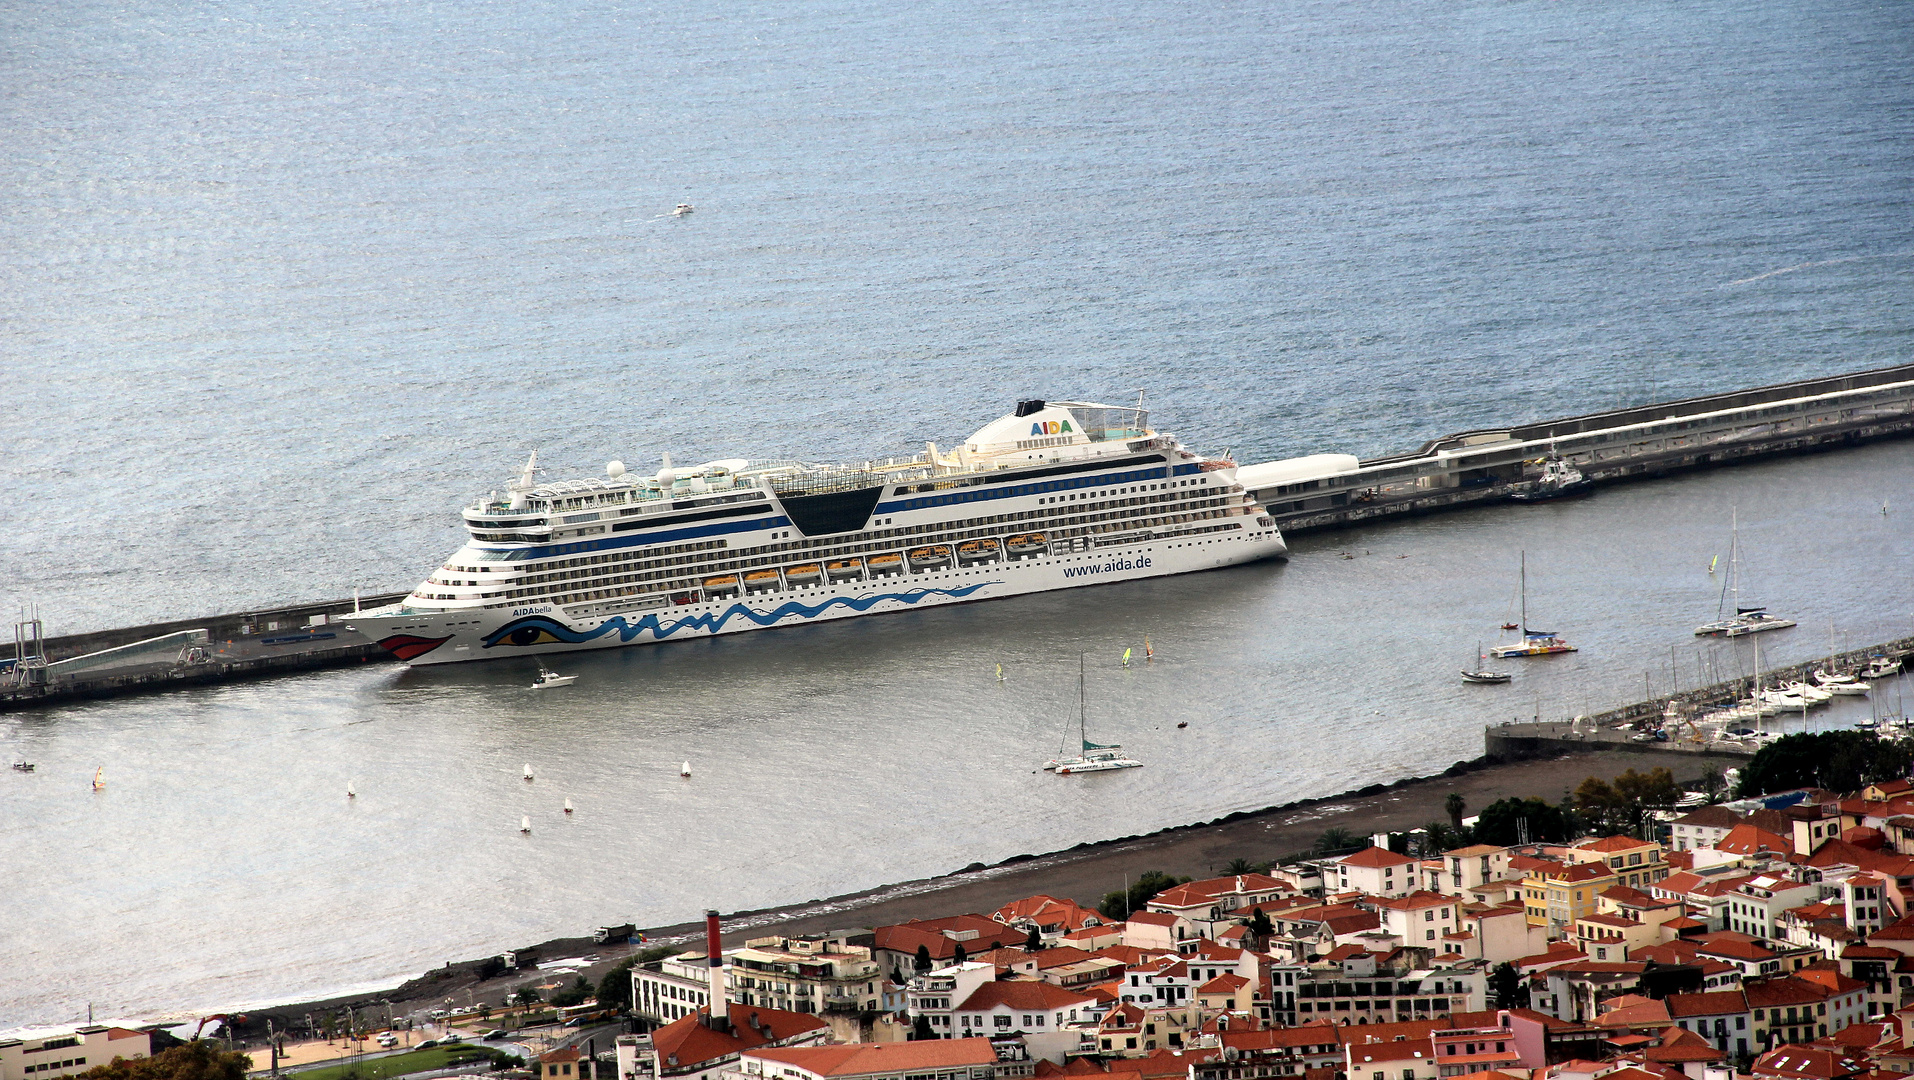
(533, 635)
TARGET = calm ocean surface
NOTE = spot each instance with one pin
(282, 284)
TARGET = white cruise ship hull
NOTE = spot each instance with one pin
(1056, 496)
(543, 629)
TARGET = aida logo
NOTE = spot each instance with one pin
(1051, 427)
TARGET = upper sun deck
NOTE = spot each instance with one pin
(1037, 433)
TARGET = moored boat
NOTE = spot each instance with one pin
(886, 564)
(803, 575)
(845, 569)
(762, 581)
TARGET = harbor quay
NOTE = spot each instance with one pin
(1312, 493)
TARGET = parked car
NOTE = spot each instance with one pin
(451, 1037)
(427, 1044)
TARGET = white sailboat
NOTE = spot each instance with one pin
(1747, 619)
(1092, 757)
(1533, 642)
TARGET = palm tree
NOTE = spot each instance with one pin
(1337, 839)
(1455, 804)
(1239, 866)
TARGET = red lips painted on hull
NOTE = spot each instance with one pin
(406, 647)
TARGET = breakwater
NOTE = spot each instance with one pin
(36, 670)
(1485, 466)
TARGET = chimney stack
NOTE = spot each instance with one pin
(714, 959)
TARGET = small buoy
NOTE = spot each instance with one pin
(686, 770)
(568, 806)
(525, 824)
(528, 772)
(1000, 673)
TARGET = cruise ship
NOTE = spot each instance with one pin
(1056, 495)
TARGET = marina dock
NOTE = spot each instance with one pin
(1616, 729)
(1322, 491)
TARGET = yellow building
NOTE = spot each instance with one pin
(1557, 896)
(1636, 863)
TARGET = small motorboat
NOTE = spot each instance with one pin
(681, 209)
(528, 773)
(547, 678)
(1836, 683)
(24, 766)
(525, 824)
(1880, 667)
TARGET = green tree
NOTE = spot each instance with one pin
(1033, 941)
(1644, 793)
(959, 956)
(1454, 805)
(1837, 760)
(921, 1029)
(923, 962)
(1336, 840)
(1260, 927)
(1239, 866)
(1500, 822)
(1119, 904)
(201, 1059)
(1510, 989)
(614, 990)
(574, 994)
(528, 995)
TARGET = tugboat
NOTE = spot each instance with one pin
(1559, 480)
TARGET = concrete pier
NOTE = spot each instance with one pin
(186, 652)
(1472, 468)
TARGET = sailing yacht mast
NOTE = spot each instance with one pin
(1525, 592)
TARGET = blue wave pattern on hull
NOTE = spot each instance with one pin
(540, 630)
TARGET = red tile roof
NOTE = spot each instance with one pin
(1377, 858)
(1712, 1003)
(1613, 843)
(865, 1059)
(692, 1041)
(1022, 995)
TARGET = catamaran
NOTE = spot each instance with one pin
(1532, 642)
(1093, 757)
(1056, 495)
(1748, 618)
